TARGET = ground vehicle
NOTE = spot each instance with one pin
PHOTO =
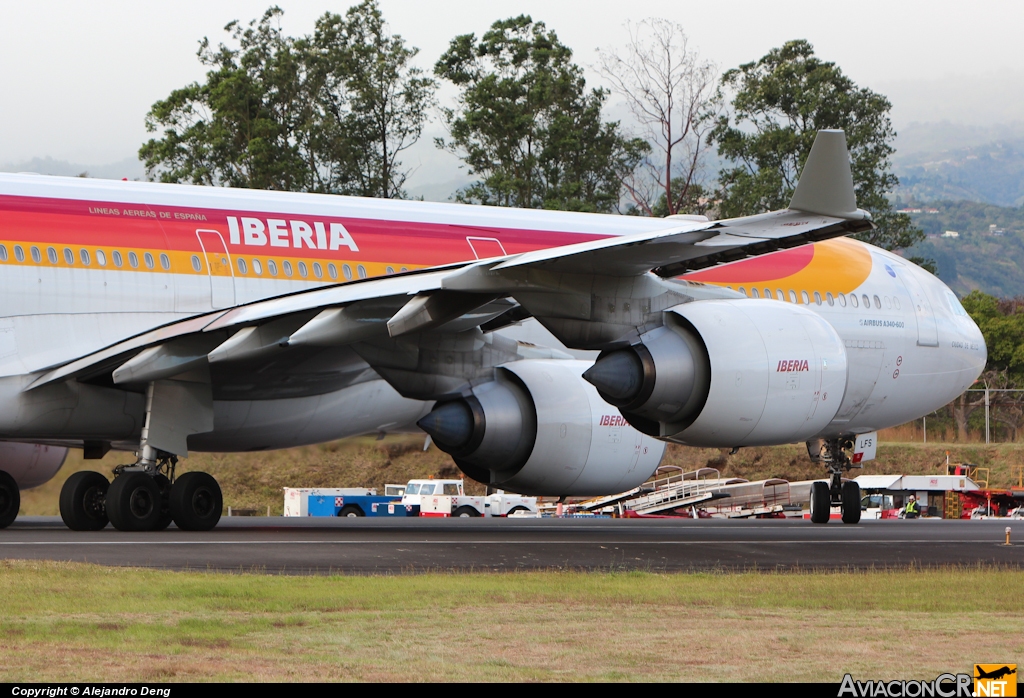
(448, 498)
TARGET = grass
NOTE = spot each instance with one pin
(144, 625)
(255, 480)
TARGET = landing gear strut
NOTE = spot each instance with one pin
(836, 492)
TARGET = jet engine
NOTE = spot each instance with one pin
(539, 428)
(31, 464)
(726, 373)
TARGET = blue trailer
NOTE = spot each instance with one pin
(358, 505)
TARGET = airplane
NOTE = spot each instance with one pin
(549, 353)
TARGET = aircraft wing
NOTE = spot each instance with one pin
(396, 323)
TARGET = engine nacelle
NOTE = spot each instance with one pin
(31, 464)
(723, 373)
(539, 428)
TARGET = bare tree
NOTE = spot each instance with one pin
(672, 95)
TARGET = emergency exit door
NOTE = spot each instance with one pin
(218, 267)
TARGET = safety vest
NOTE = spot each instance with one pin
(912, 508)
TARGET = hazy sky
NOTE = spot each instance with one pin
(80, 76)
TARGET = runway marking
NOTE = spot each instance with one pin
(491, 542)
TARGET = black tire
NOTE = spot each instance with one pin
(851, 502)
(196, 502)
(83, 501)
(133, 502)
(165, 502)
(821, 503)
(513, 510)
(351, 511)
(10, 499)
(465, 512)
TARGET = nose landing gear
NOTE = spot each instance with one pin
(836, 492)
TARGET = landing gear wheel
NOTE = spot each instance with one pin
(165, 502)
(465, 512)
(133, 502)
(196, 502)
(10, 499)
(821, 503)
(83, 501)
(351, 511)
(851, 502)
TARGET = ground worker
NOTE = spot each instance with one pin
(912, 510)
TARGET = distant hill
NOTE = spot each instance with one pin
(130, 168)
(981, 256)
(992, 173)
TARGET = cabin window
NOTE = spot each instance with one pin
(361, 270)
(196, 264)
(19, 254)
(896, 302)
(878, 303)
(241, 266)
(792, 296)
(831, 300)
(842, 299)
(888, 302)
(817, 298)
(51, 254)
(805, 298)
(287, 267)
(347, 270)
(754, 293)
(101, 258)
(332, 271)
(3, 253)
(150, 262)
(69, 256)
(165, 261)
(853, 299)
(404, 269)
(866, 300)
(779, 294)
(389, 270)
(272, 267)
(83, 254)
(743, 290)
(303, 272)
(133, 259)
(257, 267)
(318, 271)
(37, 256)
(118, 260)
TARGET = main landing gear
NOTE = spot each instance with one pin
(144, 496)
(836, 492)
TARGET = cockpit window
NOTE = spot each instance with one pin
(954, 304)
(412, 489)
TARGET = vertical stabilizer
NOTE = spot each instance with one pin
(826, 183)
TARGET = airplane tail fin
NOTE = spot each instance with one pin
(826, 183)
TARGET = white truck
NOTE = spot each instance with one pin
(443, 498)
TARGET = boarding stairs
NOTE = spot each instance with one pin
(681, 489)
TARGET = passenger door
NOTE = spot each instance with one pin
(219, 268)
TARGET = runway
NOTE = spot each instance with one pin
(395, 546)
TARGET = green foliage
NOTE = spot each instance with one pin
(1002, 324)
(326, 113)
(527, 125)
(780, 102)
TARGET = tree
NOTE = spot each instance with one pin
(326, 113)
(671, 93)
(528, 126)
(779, 104)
